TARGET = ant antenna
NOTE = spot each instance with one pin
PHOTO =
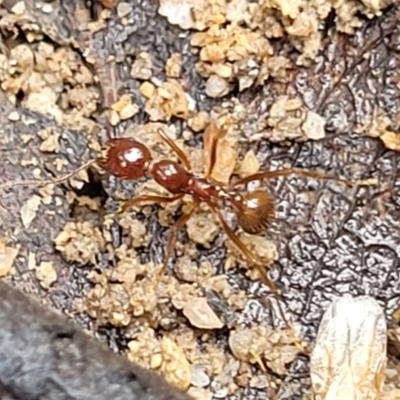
(55, 181)
(181, 155)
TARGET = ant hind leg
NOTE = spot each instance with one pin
(299, 172)
(247, 253)
(174, 233)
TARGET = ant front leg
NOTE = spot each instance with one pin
(299, 172)
(152, 198)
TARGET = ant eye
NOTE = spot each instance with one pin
(256, 212)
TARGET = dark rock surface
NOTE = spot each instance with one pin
(333, 239)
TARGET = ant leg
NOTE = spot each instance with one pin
(174, 233)
(152, 198)
(299, 172)
(181, 155)
(247, 253)
(106, 72)
(109, 100)
(264, 370)
(214, 138)
(55, 181)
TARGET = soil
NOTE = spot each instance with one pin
(335, 110)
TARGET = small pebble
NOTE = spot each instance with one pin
(18, 8)
(391, 140)
(147, 89)
(123, 9)
(7, 258)
(47, 8)
(200, 314)
(314, 126)
(202, 228)
(46, 274)
(13, 116)
(199, 121)
(174, 65)
(175, 366)
(199, 376)
(200, 393)
(216, 86)
(142, 68)
(29, 210)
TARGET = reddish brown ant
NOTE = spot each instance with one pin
(129, 159)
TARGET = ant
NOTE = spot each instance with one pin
(127, 158)
(130, 159)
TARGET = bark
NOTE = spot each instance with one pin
(44, 356)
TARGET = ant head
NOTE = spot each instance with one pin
(255, 212)
(125, 158)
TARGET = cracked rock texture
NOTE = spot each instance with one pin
(331, 238)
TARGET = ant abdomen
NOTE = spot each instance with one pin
(125, 158)
(256, 212)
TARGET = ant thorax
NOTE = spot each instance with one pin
(170, 175)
